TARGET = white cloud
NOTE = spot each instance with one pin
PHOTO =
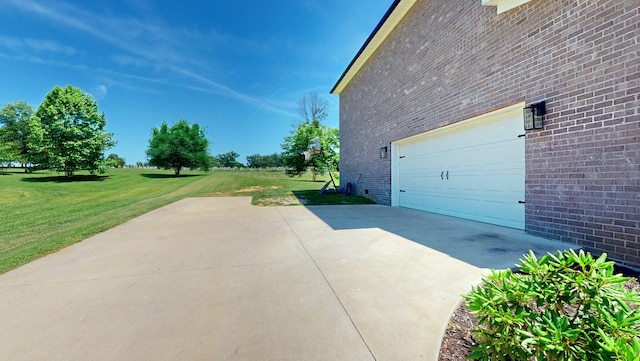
(126, 60)
(24, 46)
(49, 46)
(150, 44)
(99, 91)
(9, 42)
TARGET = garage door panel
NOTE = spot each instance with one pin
(475, 171)
(477, 210)
(436, 204)
(470, 208)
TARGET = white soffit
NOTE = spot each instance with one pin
(504, 5)
(392, 21)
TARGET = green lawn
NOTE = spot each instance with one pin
(43, 212)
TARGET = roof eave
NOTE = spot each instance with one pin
(389, 21)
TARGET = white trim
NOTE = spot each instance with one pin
(389, 25)
(507, 109)
(392, 21)
(504, 5)
(395, 175)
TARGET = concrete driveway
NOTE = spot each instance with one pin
(219, 279)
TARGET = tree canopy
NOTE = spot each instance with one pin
(179, 146)
(114, 160)
(313, 110)
(14, 131)
(264, 161)
(6, 153)
(228, 160)
(68, 133)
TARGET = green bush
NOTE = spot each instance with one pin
(564, 307)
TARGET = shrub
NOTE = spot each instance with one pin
(564, 307)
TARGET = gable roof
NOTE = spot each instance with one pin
(391, 18)
(389, 21)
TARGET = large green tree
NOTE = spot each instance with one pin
(228, 160)
(264, 161)
(114, 160)
(14, 131)
(6, 154)
(68, 133)
(313, 110)
(179, 146)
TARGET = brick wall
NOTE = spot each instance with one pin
(451, 60)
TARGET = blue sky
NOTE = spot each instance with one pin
(237, 67)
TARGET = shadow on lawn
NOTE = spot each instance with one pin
(11, 170)
(314, 198)
(309, 181)
(64, 179)
(161, 176)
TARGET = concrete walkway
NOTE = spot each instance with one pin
(219, 279)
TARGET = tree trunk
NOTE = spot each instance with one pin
(177, 171)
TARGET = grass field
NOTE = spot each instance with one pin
(43, 211)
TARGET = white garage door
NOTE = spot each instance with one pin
(474, 169)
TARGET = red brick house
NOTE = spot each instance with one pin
(432, 113)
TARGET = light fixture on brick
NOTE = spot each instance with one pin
(534, 116)
(383, 152)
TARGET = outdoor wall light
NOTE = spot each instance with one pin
(534, 116)
(383, 152)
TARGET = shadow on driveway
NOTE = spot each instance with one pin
(480, 244)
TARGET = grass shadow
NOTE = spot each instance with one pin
(299, 178)
(162, 176)
(11, 170)
(314, 198)
(64, 179)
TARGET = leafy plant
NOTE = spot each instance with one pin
(567, 306)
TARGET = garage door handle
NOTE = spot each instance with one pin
(402, 191)
(447, 174)
(442, 175)
(521, 202)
